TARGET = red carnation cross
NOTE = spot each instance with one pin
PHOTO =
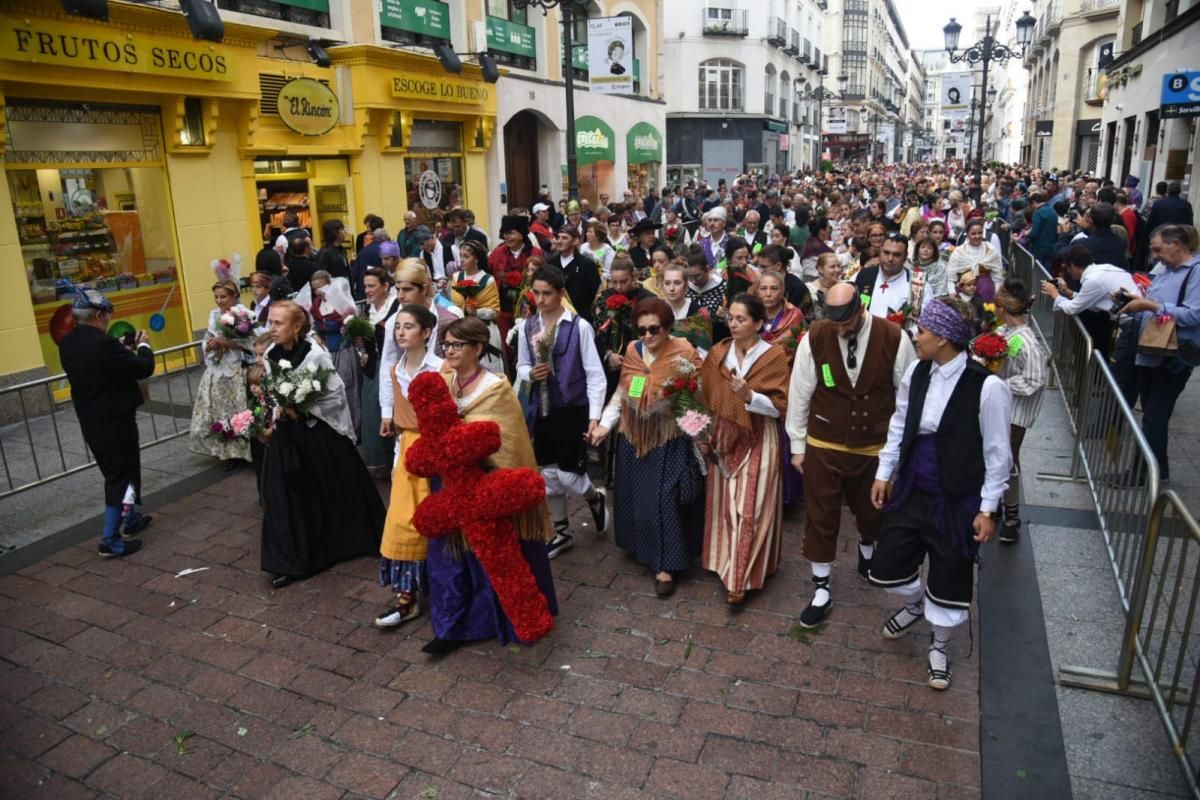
(481, 504)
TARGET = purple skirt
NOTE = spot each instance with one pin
(793, 481)
(462, 604)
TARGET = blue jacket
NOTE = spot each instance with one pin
(1044, 233)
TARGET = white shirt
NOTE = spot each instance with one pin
(995, 411)
(1096, 286)
(482, 384)
(376, 315)
(804, 379)
(430, 363)
(597, 383)
(759, 403)
(893, 298)
(438, 265)
(391, 354)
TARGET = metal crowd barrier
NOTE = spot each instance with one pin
(43, 447)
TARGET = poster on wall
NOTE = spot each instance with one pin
(610, 55)
(956, 91)
(835, 121)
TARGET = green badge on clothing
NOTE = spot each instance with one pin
(827, 375)
(1015, 344)
(866, 299)
(757, 248)
(637, 387)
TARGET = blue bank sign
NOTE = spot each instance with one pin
(1180, 95)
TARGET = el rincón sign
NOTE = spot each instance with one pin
(308, 107)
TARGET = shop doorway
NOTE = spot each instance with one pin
(520, 159)
(310, 190)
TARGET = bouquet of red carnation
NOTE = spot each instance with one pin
(513, 283)
(616, 310)
(796, 333)
(468, 289)
(901, 317)
(989, 349)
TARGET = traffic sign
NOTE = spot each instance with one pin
(1180, 95)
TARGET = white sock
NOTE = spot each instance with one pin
(821, 596)
(938, 647)
(867, 550)
(558, 508)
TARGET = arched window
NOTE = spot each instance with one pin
(769, 93)
(721, 85)
(785, 82)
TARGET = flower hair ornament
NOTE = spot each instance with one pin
(479, 503)
(227, 269)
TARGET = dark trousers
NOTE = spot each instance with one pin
(1159, 388)
(114, 444)
(832, 477)
(1124, 367)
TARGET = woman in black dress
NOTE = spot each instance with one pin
(319, 504)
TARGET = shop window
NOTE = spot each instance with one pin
(433, 170)
(302, 12)
(192, 134)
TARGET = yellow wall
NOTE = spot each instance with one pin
(22, 350)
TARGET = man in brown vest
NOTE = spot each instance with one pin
(842, 396)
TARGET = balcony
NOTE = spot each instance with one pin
(1094, 6)
(817, 57)
(1095, 86)
(726, 22)
(777, 32)
(806, 53)
(793, 47)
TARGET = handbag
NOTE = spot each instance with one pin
(1161, 339)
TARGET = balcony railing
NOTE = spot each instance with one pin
(794, 43)
(806, 52)
(816, 57)
(1088, 6)
(1095, 80)
(777, 33)
(728, 22)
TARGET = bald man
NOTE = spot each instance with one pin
(842, 396)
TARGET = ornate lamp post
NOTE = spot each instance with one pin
(821, 94)
(569, 7)
(985, 51)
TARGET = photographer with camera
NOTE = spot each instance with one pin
(104, 373)
(1092, 302)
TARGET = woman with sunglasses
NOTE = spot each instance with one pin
(462, 603)
(658, 507)
(744, 385)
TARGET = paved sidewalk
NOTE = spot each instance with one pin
(118, 678)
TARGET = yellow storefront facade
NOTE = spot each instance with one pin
(135, 155)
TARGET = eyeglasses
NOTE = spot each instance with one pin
(455, 347)
(652, 330)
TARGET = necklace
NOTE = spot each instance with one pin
(462, 388)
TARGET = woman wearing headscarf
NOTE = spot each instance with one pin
(744, 384)
(658, 507)
(979, 256)
(320, 506)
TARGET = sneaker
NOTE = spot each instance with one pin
(939, 667)
(135, 524)
(397, 615)
(814, 615)
(599, 509)
(902, 620)
(1010, 532)
(118, 548)
(559, 544)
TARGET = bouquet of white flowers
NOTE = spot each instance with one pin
(295, 389)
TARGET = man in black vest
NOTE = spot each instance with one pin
(580, 271)
(940, 479)
(103, 373)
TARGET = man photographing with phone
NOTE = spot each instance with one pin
(1093, 302)
(104, 374)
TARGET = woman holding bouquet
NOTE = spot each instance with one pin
(382, 305)
(744, 384)
(476, 293)
(320, 506)
(462, 603)
(658, 507)
(222, 390)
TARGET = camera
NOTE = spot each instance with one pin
(128, 339)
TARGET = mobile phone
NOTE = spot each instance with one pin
(128, 339)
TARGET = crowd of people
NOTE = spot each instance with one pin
(710, 355)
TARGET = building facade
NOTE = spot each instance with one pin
(737, 73)
(1140, 136)
(1071, 42)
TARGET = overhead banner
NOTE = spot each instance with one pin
(610, 55)
(956, 91)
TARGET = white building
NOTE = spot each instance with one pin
(1141, 136)
(736, 73)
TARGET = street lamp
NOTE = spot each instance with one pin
(569, 7)
(821, 94)
(985, 51)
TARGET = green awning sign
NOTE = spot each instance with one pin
(594, 141)
(425, 17)
(644, 144)
(511, 37)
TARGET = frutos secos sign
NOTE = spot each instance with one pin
(308, 107)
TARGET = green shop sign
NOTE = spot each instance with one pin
(643, 144)
(320, 6)
(425, 17)
(511, 37)
(594, 141)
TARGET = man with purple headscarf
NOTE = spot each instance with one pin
(940, 479)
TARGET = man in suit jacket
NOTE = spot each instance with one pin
(1171, 210)
(459, 221)
(104, 374)
(580, 270)
(438, 256)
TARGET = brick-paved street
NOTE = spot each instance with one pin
(106, 667)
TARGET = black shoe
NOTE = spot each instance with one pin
(280, 581)
(1010, 532)
(561, 543)
(599, 509)
(664, 588)
(231, 464)
(441, 647)
(140, 523)
(119, 548)
(814, 615)
(864, 565)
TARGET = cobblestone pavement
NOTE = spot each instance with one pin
(125, 679)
